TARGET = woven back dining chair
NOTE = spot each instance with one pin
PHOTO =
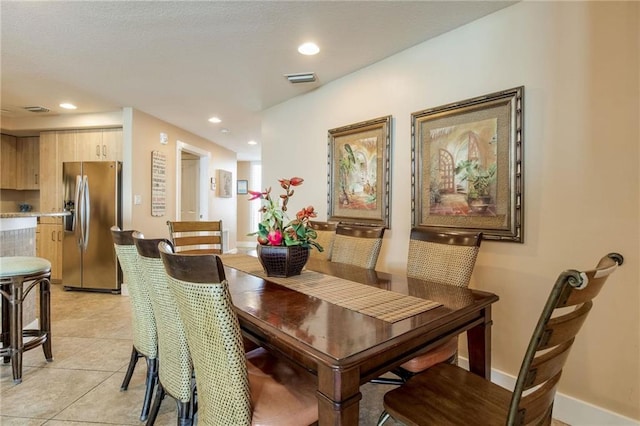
(326, 234)
(143, 321)
(234, 388)
(442, 258)
(175, 370)
(197, 237)
(357, 245)
(448, 394)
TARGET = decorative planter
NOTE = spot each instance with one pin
(282, 261)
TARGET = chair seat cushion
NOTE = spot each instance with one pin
(279, 388)
(435, 356)
(23, 265)
(432, 398)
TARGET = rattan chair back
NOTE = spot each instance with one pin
(443, 257)
(202, 293)
(175, 369)
(196, 237)
(326, 234)
(143, 321)
(357, 245)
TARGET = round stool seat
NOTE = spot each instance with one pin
(11, 266)
(19, 275)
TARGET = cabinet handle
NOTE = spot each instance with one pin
(104, 151)
(98, 151)
(59, 235)
(36, 179)
(53, 235)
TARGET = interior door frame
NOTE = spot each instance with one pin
(205, 157)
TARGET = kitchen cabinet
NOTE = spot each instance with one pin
(49, 245)
(8, 162)
(28, 164)
(57, 147)
(50, 174)
(19, 162)
(99, 145)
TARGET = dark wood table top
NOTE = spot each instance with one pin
(338, 336)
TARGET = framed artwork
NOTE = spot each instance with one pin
(467, 166)
(225, 184)
(358, 172)
(243, 187)
(158, 183)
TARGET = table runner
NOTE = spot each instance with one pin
(381, 304)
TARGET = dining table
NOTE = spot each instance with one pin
(347, 325)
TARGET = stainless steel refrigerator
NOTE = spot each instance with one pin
(91, 191)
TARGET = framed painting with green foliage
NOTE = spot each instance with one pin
(467, 166)
(358, 172)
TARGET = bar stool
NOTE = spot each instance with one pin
(18, 276)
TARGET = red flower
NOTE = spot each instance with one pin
(255, 195)
(295, 181)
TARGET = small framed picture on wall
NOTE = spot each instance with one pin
(243, 187)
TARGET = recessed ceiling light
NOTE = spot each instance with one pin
(252, 143)
(308, 48)
(215, 120)
(68, 106)
(225, 130)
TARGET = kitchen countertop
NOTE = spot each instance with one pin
(12, 215)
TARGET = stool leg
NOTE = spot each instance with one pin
(6, 342)
(45, 316)
(17, 344)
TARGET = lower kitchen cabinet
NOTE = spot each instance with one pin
(49, 246)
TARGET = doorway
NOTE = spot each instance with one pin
(191, 182)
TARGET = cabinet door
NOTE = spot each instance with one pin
(89, 145)
(50, 246)
(112, 145)
(8, 161)
(67, 150)
(50, 174)
(28, 162)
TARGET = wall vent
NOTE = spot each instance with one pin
(305, 77)
(36, 109)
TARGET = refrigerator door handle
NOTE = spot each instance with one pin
(86, 212)
(77, 214)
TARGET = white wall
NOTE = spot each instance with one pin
(578, 62)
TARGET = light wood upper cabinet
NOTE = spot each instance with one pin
(8, 162)
(50, 173)
(28, 163)
(89, 145)
(112, 145)
(67, 146)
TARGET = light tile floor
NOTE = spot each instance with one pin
(91, 348)
(91, 341)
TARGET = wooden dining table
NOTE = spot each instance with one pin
(346, 348)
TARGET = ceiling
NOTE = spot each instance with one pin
(186, 61)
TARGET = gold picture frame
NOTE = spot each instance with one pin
(467, 160)
(359, 157)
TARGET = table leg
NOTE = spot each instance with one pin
(338, 396)
(479, 344)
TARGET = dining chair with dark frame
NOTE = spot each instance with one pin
(448, 394)
(442, 257)
(357, 245)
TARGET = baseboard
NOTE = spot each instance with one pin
(246, 244)
(567, 409)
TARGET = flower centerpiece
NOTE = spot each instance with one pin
(283, 244)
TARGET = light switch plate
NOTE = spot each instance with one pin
(164, 138)
(137, 200)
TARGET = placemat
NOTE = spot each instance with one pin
(375, 302)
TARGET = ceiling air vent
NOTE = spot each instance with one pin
(305, 77)
(36, 109)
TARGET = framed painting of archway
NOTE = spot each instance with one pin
(467, 166)
(358, 172)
